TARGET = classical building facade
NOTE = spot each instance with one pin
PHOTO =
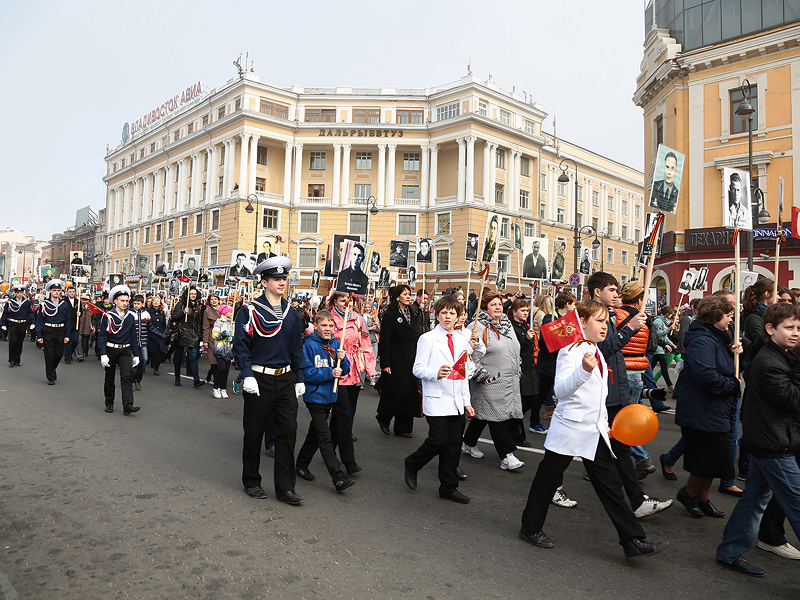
(436, 161)
(20, 255)
(691, 81)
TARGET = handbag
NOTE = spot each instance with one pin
(189, 337)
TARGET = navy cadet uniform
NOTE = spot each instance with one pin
(17, 318)
(268, 346)
(116, 342)
(53, 326)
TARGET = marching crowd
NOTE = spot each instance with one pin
(467, 363)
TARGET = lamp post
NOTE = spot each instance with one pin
(590, 230)
(745, 111)
(249, 210)
(564, 178)
(372, 209)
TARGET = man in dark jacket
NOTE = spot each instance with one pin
(420, 320)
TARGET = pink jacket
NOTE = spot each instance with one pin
(357, 336)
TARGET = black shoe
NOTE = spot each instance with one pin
(636, 548)
(461, 475)
(352, 467)
(723, 490)
(743, 566)
(343, 484)
(305, 474)
(137, 386)
(662, 408)
(109, 409)
(129, 411)
(410, 477)
(16, 364)
(256, 492)
(156, 373)
(689, 502)
(178, 382)
(68, 362)
(456, 497)
(523, 443)
(51, 382)
(199, 383)
(710, 510)
(539, 540)
(670, 476)
(290, 498)
(11, 364)
(354, 438)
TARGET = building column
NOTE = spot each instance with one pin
(487, 170)
(423, 182)
(147, 201)
(298, 170)
(230, 166)
(345, 195)
(433, 187)
(287, 172)
(470, 174)
(337, 175)
(197, 184)
(381, 174)
(515, 191)
(509, 178)
(390, 168)
(183, 183)
(169, 176)
(135, 199)
(243, 160)
(251, 180)
(212, 185)
(462, 172)
(226, 149)
(492, 174)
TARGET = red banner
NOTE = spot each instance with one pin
(562, 332)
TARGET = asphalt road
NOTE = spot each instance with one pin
(96, 505)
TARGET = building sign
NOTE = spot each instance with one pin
(166, 108)
(771, 234)
(708, 239)
(360, 133)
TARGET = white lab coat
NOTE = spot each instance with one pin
(440, 397)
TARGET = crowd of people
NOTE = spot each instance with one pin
(465, 363)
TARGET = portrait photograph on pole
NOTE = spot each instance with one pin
(535, 250)
(338, 252)
(398, 255)
(666, 180)
(700, 279)
(687, 281)
(375, 265)
(559, 258)
(383, 279)
(353, 277)
(473, 245)
(649, 223)
(491, 238)
(242, 264)
(315, 277)
(425, 251)
(141, 264)
(585, 264)
(76, 258)
(517, 236)
(191, 266)
(79, 270)
(736, 199)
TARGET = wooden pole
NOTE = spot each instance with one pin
(519, 272)
(341, 344)
(780, 232)
(737, 292)
(650, 265)
(484, 274)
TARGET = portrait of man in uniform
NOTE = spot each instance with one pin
(491, 238)
(686, 282)
(141, 264)
(77, 258)
(383, 279)
(399, 254)
(517, 236)
(667, 180)
(191, 262)
(315, 279)
(473, 243)
(534, 265)
(586, 261)
(239, 265)
(736, 208)
(353, 277)
(559, 257)
(161, 269)
(424, 254)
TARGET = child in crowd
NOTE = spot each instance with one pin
(142, 324)
(222, 335)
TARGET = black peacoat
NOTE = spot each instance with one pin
(397, 350)
(529, 379)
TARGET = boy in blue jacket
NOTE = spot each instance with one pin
(321, 351)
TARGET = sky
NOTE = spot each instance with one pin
(75, 72)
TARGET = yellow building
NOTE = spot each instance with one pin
(691, 83)
(436, 161)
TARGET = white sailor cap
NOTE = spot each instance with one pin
(18, 287)
(53, 283)
(119, 290)
(275, 266)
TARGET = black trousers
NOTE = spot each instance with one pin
(625, 466)
(605, 481)
(276, 398)
(155, 356)
(342, 421)
(402, 423)
(501, 435)
(16, 336)
(84, 346)
(444, 441)
(319, 436)
(118, 357)
(53, 346)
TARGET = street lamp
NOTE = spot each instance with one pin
(590, 230)
(372, 209)
(745, 111)
(249, 210)
(564, 178)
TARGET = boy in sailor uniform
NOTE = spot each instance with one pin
(116, 342)
(53, 328)
(17, 318)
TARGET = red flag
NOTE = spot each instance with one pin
(459, 368)
(562, 332)
(796, 222)
(92, 308)
(184, 279)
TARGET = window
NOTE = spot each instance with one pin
(205, 120)
(502, 263)
(184, 226)
(524, 199)
(136, 238)
(660, 130)
(499, 193)
(562, 189)
(738, 125)
(147, 235)
(198, 223)
(409, 117)
(222, 156)
(308, 257)
(624, 207)
(261, 184)
(579, 192)
(443, 223)
(611, 203)
(595, 198)
(219, 188)
(500, 159)
(610, 256)
(189, 128)
(525, 167)
(596, 225)
(320, 115)
(177, 135)
(505, 117)
(637, 210)
(637, 234)
(623, 257)
(447, 112)
(366, 115)
(579, 220)
(543, 181)
(141, 154)
(443, 259)
(542, 210)
(364, 161)
(528, 230)
(212, 255)
(116, 266)
(127, 239)
(406, 225)
(505, 227)
(624, 279)
(261, 156)
(181, 255)
(158, 232)
(358, 223)
(410, 161)
(316, 190)
(117, 241)
(363, 190)
(205, 163)
(410, 192)
(274, 109)
(215, 219)
(205, 194)
(316, 161)
(238, 104)
(156, 258)
(530, 127)
(309, 222)
(560, 217)
(152, 147)
(624, 232)
(610, 229)
(269, 219)
(169, 258)
(483, 108)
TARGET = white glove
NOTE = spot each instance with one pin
(33, 326)
(135, 362)
(299, 389)
(104, 361)
(4, 327)
(250, 385)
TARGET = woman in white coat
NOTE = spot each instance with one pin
(579, 427)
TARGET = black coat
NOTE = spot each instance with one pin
(529, 380)
(156, 331)
(397, 350)
(771, 406)
(192, 322)
(546, 365)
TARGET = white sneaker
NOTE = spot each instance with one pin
(651, 506)
(471, 450)
(561, 499)
(511, 462)
(224, 393)
(217, 394)
(784, 551)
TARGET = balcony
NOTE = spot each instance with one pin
(446, 200)
(406, 201)
(313, 201)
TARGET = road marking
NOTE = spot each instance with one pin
(534, 450)
(6, 588)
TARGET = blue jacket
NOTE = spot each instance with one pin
(156, 330)
(17, 310)
(52, 314)
(142, 326)
(709, 391)
(117, 330)
(319, 369)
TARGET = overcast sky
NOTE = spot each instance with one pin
(74, 72)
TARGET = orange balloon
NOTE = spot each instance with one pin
(68, 284)
(635, 425)
(3, 287)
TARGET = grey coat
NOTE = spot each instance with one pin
(498, 400)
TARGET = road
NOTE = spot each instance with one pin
(96, 505)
